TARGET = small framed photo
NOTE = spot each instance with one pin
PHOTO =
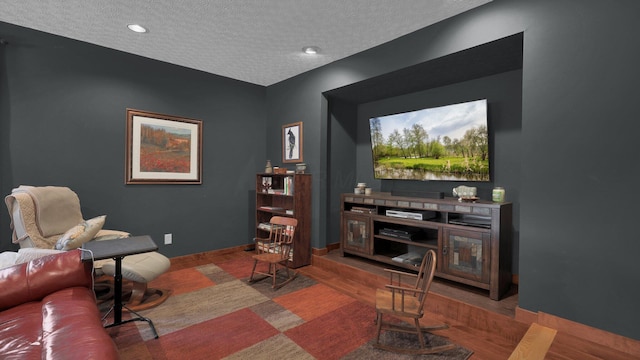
(163, 149)
(292, 143)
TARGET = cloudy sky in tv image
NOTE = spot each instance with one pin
(449, 120)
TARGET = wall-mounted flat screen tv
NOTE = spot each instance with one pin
(447, 143)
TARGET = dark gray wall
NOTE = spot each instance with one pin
(63, 123)
(343, 161)
(579, 247)
(577, 243)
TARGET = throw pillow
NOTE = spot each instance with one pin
(80, 234)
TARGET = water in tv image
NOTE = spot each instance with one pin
(448, 143)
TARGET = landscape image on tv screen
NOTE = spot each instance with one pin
(449, 143)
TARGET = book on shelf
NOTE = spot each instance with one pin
(288, 185)
(276, 191)
(272, 208)
(266, 226)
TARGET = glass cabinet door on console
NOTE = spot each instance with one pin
(466, 254)
(357, 233)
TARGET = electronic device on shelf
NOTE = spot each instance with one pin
(413, 215)
(411, 258)
(362, 210)
(398, 233)
(472, 220)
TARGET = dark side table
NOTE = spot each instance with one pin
(117, 249)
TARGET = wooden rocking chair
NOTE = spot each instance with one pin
(276, 250)
(400, 300)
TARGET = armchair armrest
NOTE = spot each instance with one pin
(404, 289)
(399, 276)
(402, 292)
(263, 245)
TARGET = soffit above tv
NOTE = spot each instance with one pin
(483, 60)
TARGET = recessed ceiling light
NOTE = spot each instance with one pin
(137, 28)
(311, 50)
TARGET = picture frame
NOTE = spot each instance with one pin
(162, 149)
(292, 143)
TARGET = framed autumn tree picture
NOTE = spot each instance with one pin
(163, 149)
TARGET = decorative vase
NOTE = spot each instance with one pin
(498, 194)
(268, 168)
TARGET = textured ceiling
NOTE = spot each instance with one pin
(256, 41)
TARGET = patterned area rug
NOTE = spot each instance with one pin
(215, 314)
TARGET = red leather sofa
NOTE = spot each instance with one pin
(48, 311)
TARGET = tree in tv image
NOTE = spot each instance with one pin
(441, 143)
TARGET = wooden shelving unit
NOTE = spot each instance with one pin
(286, 195)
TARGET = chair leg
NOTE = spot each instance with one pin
(379, 323)
(422, 350)
(274, 271)
(255, 262)
(290, 277)
(419, 332)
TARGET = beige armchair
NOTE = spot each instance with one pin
(49, 217)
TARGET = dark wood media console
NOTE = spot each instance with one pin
(472, 240)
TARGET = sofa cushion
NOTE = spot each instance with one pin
(80, 234)
(20, 331)
(39, 277)
(61, 327)
(48, 311)
(48, 330)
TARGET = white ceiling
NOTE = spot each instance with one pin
(257, 41)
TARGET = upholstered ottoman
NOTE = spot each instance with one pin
(141, 269)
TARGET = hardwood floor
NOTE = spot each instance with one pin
(470, 295)
(473, 325)
(487, 327)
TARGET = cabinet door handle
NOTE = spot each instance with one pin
(445, 250)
